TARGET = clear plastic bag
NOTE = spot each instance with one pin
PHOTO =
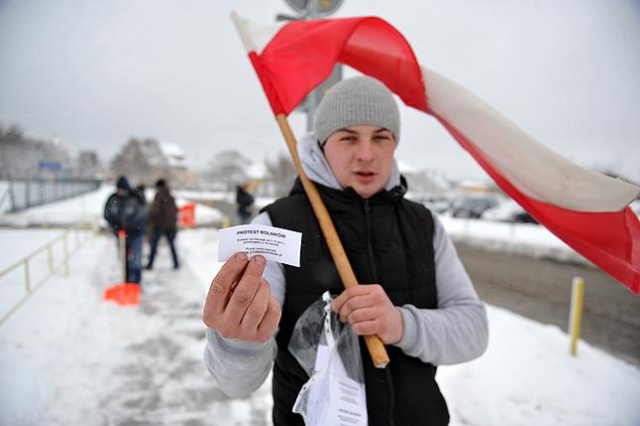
(329, 352)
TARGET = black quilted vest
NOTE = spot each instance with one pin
(389, 241)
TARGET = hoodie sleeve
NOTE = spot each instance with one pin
(458, 330)
(240, 368)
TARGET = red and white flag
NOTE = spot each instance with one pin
(587, 210)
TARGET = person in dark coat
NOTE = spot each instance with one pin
(124, 210)
(245, 201)
(140, 191)
(163, 220)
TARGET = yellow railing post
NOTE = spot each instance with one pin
(50, 258)
(66, 256)
(577, 301)
(27, 277)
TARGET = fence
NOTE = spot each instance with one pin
(36, 268)
(24, 194)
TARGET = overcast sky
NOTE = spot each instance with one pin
(94, 73)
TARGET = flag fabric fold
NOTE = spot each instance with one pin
(586, 210)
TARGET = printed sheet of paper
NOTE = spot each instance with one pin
(277, 244)
(333, 397)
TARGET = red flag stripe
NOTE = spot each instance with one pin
(302, 54)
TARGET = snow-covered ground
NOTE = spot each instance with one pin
(67, 357)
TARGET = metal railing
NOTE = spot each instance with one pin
(66, 247)
(26, 193)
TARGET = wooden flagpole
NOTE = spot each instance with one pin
(374, 344)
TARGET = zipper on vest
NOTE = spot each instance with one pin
(374, 272)
(369, 231)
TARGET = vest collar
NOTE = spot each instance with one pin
(349, 195)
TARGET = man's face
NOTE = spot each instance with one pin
(361, 157)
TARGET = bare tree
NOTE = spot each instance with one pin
(25, 157)
(88, 165)
(282, 173)
(229, 168)
(141, 160)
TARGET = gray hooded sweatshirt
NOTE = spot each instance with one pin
(455, 332)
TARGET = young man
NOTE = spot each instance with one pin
(415, 294)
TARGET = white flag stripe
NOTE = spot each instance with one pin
(530, 166)
(255, 36)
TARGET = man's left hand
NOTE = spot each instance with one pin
(369, 311)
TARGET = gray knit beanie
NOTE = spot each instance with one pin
(356, 101)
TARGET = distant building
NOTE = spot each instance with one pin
(176, 164)
(146, 160)
(474, 186)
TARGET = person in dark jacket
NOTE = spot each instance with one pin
(414, 292)
(141, 190)
(244, 200)
(163, 217)
(125, 210)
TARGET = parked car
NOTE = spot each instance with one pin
(508, 211)
(435, 202)
(472, 207)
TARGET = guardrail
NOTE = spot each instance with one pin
(64, 246)
(27, 193)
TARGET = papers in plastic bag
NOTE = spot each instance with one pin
(329, 352)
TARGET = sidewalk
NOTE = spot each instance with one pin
(116, 365)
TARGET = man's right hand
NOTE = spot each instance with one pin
(239, 304)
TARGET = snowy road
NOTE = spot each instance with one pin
(540, 289)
